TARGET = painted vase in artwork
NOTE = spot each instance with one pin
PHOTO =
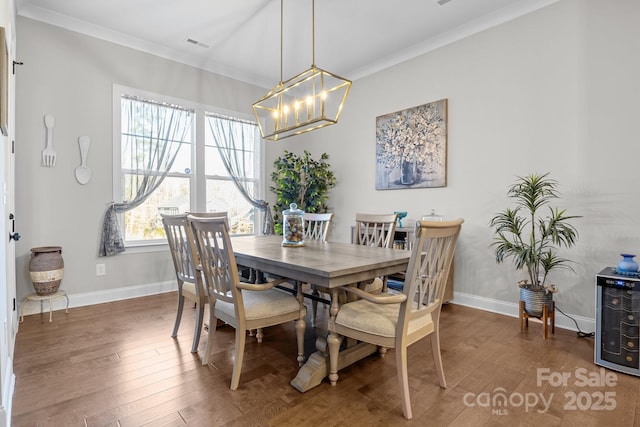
(408, 171)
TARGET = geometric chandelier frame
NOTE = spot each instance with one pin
(308, 101)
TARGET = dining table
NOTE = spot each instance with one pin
(331, 265)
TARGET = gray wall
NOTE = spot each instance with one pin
(553, 91)
(71, 76)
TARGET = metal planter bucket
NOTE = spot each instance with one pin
(534, 301)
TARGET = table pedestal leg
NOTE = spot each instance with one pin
(316, 368)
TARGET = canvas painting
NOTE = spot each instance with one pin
(411, 147)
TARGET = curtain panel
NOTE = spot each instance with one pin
(232, 138)
(152, 134)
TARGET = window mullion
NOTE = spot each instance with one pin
(198, 181)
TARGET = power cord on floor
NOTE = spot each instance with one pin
(580, 333)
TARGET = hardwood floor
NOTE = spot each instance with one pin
(116, 365)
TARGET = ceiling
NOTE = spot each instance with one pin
(241, 38)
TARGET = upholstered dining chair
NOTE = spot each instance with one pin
(244, 306)
(375, 230)
(316, 227)
(185, 259)
(399, 320)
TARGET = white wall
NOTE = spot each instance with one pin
(71, 76)
(552, 91)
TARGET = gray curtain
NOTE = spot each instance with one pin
(152, 134)
(232, 136)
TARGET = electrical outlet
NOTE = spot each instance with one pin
(101, 270)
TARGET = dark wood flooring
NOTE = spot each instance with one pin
(116, 365)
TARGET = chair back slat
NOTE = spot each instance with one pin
(375, 229)
(183, 251)
(217, 261)
(428, 270)
(317, 225)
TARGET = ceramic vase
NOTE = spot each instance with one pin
(46, 268)
(627, 264)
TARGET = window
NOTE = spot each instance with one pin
(222, 193)
(151, 127)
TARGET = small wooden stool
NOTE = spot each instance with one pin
(548, 316)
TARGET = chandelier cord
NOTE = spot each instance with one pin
(281, 35)
(313, 33)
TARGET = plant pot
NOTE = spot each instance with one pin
(46, 269)
(535, 300)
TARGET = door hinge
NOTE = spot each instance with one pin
(13, 147)
(14, 304)
(14, 65)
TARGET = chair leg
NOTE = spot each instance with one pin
(213, 321)
(259, 334)
(198, 328)
(300, 326)
(241, 336)
(403, 380)
(178, 312)
(437, 356)
(333, 342)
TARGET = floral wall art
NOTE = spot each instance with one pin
(411, 147)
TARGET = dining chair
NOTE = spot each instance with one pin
(221, 214)
(316, 227)
(185, 259)
(244, 306)
(397, 320)
(375, 230)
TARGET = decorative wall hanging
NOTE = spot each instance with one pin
(49, 154)
(83, 172)
(411, 147)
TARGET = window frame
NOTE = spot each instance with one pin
(198, 179)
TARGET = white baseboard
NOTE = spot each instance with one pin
(586, 324)
(8, 385)
(100, 297)
(474, 301)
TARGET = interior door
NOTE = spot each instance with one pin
(8, 304)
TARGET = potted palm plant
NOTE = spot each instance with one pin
(531, 233)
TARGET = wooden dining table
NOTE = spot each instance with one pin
(327, 264)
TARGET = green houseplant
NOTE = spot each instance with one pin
(301, 180)
(532, 232)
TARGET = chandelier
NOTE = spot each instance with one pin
(308, 101)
